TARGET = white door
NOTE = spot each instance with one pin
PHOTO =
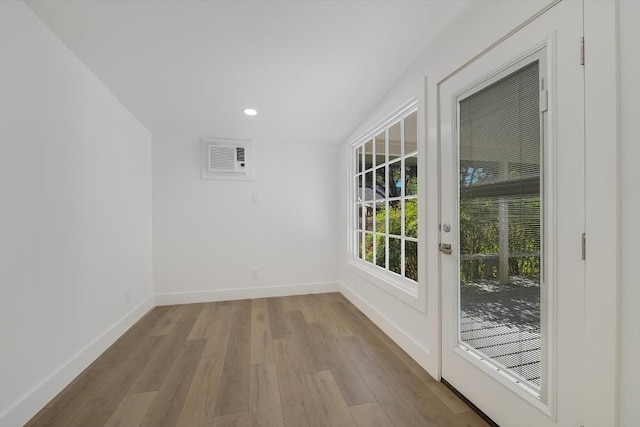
(512, 210)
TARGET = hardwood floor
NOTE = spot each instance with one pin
(297, 361)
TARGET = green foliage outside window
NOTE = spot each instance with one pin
(480, 238)
(395, 229)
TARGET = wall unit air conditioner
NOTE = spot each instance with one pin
(227, 159)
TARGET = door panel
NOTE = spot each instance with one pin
(512, 197)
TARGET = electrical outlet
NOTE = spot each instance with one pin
(127, 295)
(254, 274)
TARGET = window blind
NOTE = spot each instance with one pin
(500, 222)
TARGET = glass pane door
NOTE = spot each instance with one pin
(500, 198)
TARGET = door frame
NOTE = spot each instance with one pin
(603, 213)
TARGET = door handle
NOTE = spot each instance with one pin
(445, 248)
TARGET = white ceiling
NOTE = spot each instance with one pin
(312, 69)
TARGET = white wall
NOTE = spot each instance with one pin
(75, 216)
(474, 29)
(629, 12)
(209, 235)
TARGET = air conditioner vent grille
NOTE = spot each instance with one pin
(227, 159)
(222, 158)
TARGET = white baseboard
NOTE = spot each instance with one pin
(417, 351)
(26, 406)
(245, 293)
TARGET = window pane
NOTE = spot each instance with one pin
(411, 175)
(358, 158)
(368, 217)
(381, 149)
(381, 218)
(360, 244)
(411, 133)
(381, 184)
(395, 224)
(411, 260)
(381, 255)
(395, 145)
(359, 213)
(358, 188)
(368, 247)
(411, 218)
(368, 192)
(395, 255)
(395, 179)
(368, 154)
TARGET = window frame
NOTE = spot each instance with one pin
(403, 288)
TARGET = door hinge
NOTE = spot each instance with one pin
(544, 100)
(584, 246)
(581, 50)
(544, 96)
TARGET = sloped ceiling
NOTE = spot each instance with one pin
(313, 69)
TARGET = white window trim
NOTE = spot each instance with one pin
(400, 287)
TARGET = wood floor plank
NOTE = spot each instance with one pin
(308, 344)
(351, 385)
(407, 360)
(219, 331)
(370, 415)
(309, 307)
(298, 409)
(100, 405)
(414, 366)
(261, 344)
(69, 401)
(471, 419)
(154, 373)
(131, 410)
(204, 322)
(264, 401)
(332, 297)
(122, 348)
(167, 405)
(290, 303)
(169, 320)
(333, 320)
(384, 389)
(397, 369)
(331, 407)
(414, 390)
(234, 385)
(453, 402)
(240, 419)
(277, 319)
(259, 303)
(200, 403)
(358, 324)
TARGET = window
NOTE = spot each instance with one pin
(385, 199)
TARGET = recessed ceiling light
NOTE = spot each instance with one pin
(250, 111)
